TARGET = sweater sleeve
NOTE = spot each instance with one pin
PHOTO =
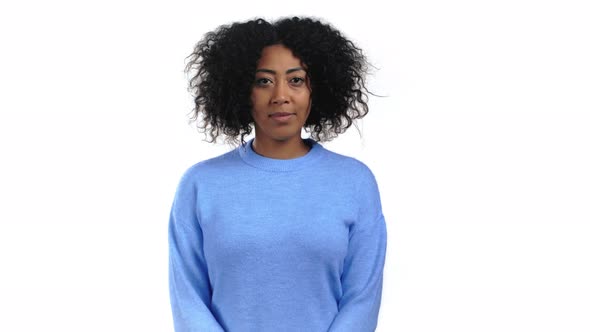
(190, 293)
(362, 276)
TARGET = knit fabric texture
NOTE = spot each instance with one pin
(262, 244)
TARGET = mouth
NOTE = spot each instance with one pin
(281, 117)
(280, 114)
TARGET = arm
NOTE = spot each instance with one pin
(362, 276)
(190, 293)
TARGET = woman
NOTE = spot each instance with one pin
(279, 234)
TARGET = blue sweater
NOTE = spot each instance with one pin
(262, 244)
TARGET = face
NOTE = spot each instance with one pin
(280, 95)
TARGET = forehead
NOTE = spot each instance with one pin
(278, 57)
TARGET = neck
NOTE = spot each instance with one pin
(274, 149)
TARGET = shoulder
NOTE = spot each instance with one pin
(210, 168)
(355, 180)
(347, 166)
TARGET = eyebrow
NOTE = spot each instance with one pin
(270, 71)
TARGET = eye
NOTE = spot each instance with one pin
(297, 80)
(263, 81)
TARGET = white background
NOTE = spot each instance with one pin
(481, 149)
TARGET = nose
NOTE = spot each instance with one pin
(280, 93)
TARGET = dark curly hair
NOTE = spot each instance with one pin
(223, 64)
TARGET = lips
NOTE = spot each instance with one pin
(278, 114)
(282, 117)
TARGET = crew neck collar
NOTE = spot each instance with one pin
(254, 159)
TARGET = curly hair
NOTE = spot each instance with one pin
(223, 64)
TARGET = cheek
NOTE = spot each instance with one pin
(253, 102)
(306, 100)
(256, 99)
(252, 98)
